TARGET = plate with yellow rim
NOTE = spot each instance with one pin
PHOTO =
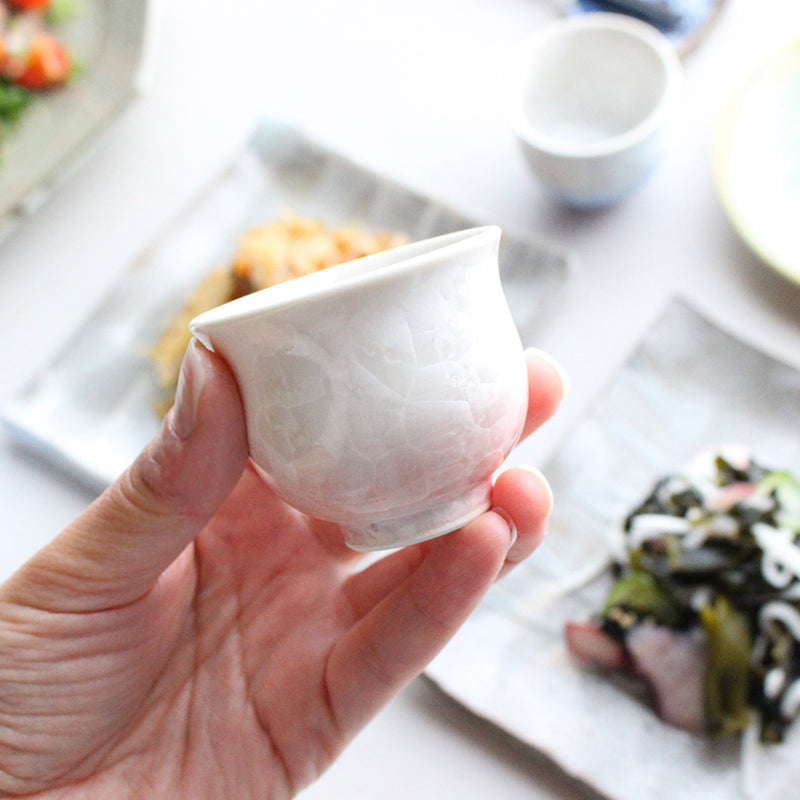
(757, 161)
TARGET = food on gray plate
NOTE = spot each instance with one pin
(33, 57)
(287, 247)
(704, 611)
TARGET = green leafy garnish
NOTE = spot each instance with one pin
(727, 679)
(641, 593)
(13, 101)
(60, 11)
(786, 489)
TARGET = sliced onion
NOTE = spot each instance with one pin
(790, 704)
(778, 544)
(774, 681)
(792, 592)
(696, 537)
(650, 526)
(781, 612)
(774, 573)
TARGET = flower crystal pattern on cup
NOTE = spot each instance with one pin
(381, 394)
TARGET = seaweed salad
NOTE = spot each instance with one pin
(704, 610)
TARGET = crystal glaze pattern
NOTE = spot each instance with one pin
(384, 393)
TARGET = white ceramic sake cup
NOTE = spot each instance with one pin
(593, 99)
(381, 394)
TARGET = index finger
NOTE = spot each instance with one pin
(547, 384)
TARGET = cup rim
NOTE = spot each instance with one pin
(345, 277)
(514, 74)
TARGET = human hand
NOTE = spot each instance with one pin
(190, 635)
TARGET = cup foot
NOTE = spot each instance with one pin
(419, 526)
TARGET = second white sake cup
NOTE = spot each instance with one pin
(593, 100)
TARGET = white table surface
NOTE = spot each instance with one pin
(408, 89)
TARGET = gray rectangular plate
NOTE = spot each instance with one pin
(689, 385)
(91, 410)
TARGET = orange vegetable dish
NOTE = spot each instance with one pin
(288, 247)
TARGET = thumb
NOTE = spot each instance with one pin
(114, 552)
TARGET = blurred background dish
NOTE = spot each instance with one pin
(685, 22)
(757, 161)
(107, 39)
(592, 100)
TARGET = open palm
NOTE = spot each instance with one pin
(191, 635)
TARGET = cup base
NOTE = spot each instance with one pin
(420, 525)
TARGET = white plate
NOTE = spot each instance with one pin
(92, 410)
(757, 161)
(689, 385)
(107, 37)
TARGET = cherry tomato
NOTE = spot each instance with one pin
(29, 5)
(47, 63)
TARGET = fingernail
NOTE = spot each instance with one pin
(512, 528)
(544, 482)
(187, 395)
(557, 366)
